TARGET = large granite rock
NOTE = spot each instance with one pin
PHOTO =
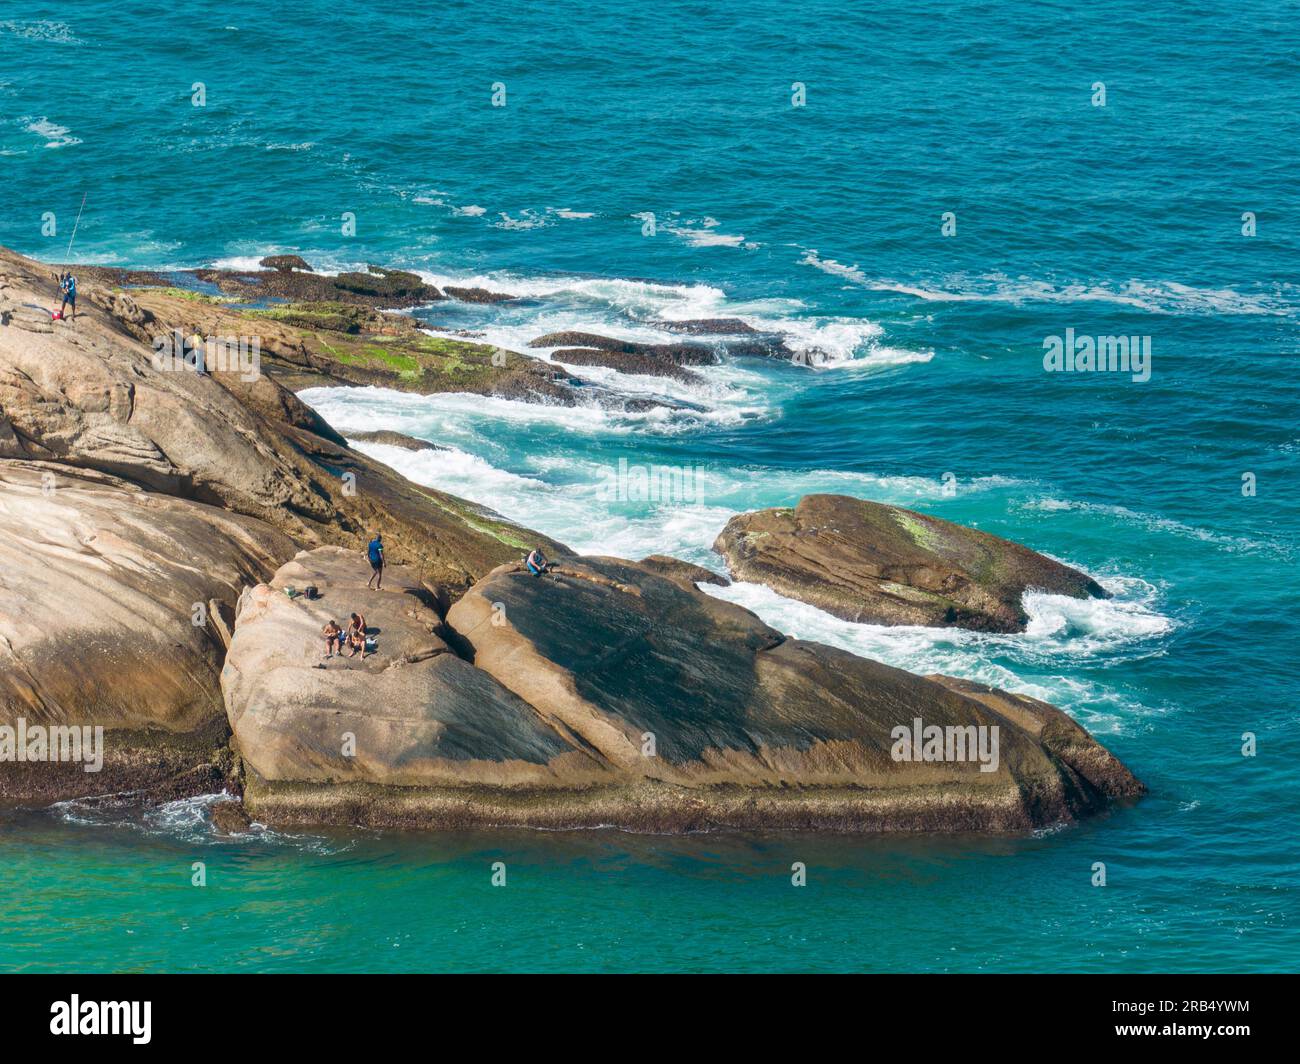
(410, 714)
(608, 693)
(745, 727)
(877, 564)
(89, 395)
(101, 586)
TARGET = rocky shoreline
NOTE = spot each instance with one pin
(158, 525)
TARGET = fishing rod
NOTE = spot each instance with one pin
(68, 256)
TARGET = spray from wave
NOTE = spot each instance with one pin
(1155, 297)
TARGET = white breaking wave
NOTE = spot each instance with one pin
(56, 136)
(631, 310)
(1158, 297)
(564, 494)
(188, 820)
(1155, 523)
(541, 466)
(46, 30)
(1063, 633)
(710, 238)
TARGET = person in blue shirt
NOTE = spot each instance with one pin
(69, 289)
(375, 552)
(536, 562)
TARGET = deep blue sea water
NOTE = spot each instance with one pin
(823, 222)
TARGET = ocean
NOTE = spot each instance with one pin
(918, 196)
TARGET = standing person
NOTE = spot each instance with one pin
(69, 289)
(375, 552)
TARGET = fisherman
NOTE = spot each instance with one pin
(68, 286)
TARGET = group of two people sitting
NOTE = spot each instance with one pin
(354, 638)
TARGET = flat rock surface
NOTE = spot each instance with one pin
(409, 713)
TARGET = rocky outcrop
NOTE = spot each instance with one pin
(676, 569)
(285, 262)
(395, 439)
(377, 287)
(624, 362)
(672, 354)
(288, 278)
(476, 295)
(709, 327)
(876, 564)
(618, 353)
(411, 713)
(315, 344)
(106, 620)
(607, 694)
(90, 395)
(158, 523)
(682, 691)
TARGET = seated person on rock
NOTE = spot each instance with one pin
(536, 562)
(333, 639)
(356, 636)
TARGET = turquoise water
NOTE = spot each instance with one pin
(823, 223)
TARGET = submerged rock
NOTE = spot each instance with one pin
(476, 295)
(876, 564)
(625, 362)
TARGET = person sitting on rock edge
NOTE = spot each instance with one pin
(536, 562)
(356, 637)
(375, 552)
(333, 639)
